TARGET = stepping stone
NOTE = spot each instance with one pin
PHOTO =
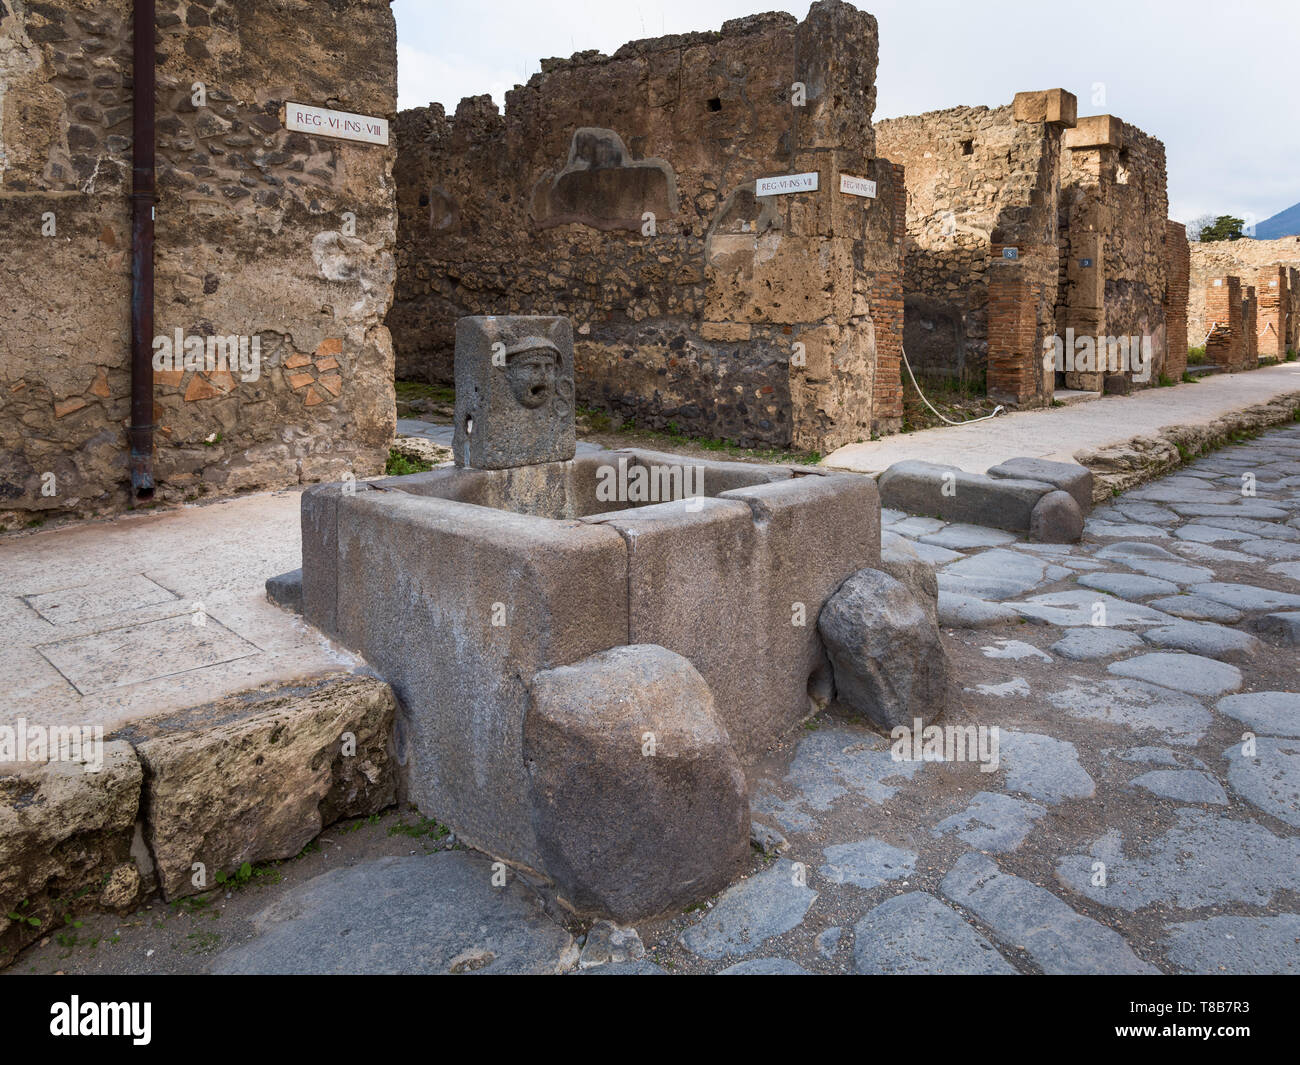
(1015, 650)
(1270, 713)
(1128, 585)
(936, 556)
(1270, 779)
(1043, 767)
(361, 919)
(1264, 530)
(998, 574)
(1205, 859)
(1287, 569)
(1283, 628)
(1205, 638)
(1178, 718)
(1267, 946)
(961, 537)
(1095, 641)
(1206, 553)
(1197, 608)
(1206, 534)
(1183, 785)
(992, 822)
(1278, 549)
(765, 967)
(1247, 597)
(971, 612)
(1189, 673)
(751, 912)
(1178, 572)
(1079, 607)
(866, 864)
(1104, 530)
(917, 526)
(1030, 917)
(916, 934)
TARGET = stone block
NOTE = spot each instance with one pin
(514, 392)
(899, 559)
(1056, 519)
(65, 842)
(1067, 476)
(1054, 106)
(933, 490)
(255, 777)
(640, 802)
(1095, 131)
(286, 590)
(457, 606)
(888, 659)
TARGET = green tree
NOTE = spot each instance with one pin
(1225, 227)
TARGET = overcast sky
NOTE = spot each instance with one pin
(1214, 81)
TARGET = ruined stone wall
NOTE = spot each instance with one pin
(1114, 214)
(619, 191)
(1245, 259)
(972, 172)
(252, 240)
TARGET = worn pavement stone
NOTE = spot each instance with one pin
(751, 912)
(915, 933)
(1189, 673)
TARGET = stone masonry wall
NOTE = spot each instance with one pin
(255, 238)
(974, 175)
(1114, 214)
(1245, 259)
(619, 191)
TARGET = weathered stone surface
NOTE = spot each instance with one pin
(286, 590)
(1206, 638)
(866, 864)
(1095, 641)
(888, 658)
(1128, 585)
(998, 574)
(361, 920)
(915, 934)
(899, 559)
(959, 611)
(1178, 718)
(1237, 945)
(1268, 778)
(514, 391)
(1247, 597)
(64, 832)
(1043, 767)
(993, 822)
(1077, 608)
(624, 968)
(751, 912)
(1190, 673)
(1282, 628)
(1272, 713)
(257, 776)
(609, 944)
(767, 840)
(1196, 608)
(952, 494)
(639, 802)
(1066, 476)
(1026, 915)
(1183, 785)
(961, 537)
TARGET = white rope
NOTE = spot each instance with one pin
(983, 418)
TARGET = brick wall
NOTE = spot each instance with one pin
(1242, 258)
(1177, 273)
(1226, 344)
(1249, 329)
(1273, 293)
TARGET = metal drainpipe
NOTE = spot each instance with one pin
(140, 434)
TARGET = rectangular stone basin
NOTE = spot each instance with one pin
(458, 585)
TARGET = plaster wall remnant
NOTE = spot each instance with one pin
(619, 191)
(276, 237)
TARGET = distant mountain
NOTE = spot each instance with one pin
(1283, 224)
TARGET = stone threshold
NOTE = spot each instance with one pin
(178, 800)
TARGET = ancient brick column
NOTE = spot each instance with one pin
(1224, 347)
(1178, 266)
(1015, 364)
(1273, 298)
(1249, 335)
